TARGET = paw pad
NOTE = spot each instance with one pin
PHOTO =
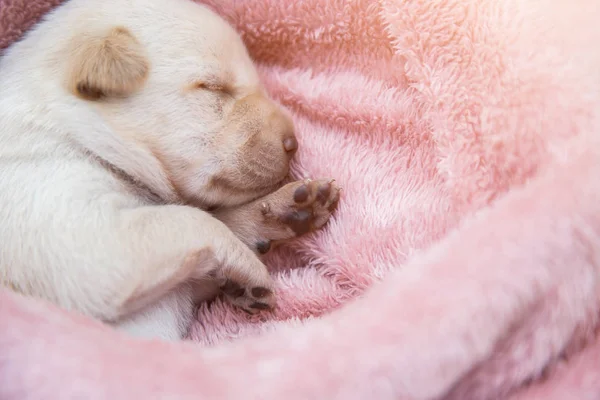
(263, 246)
(258, 298)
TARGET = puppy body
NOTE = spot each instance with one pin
(119, 122)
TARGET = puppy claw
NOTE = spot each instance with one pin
(264, 208)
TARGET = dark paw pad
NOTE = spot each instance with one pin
(298, 220)
(301, 194)
(263, 246)
(323, 193)
(233, 289)
(259, 292)
(260, 306)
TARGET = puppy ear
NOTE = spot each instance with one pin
(113, 65)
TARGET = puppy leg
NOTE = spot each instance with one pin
(169, 319)
(166, 246)
(295, 209)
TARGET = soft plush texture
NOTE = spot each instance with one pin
(463, 262)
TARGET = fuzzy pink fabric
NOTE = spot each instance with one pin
(464, 260)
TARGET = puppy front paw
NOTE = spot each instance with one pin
(250, 299)
(243, 279)
(296, 209)
(313, 203)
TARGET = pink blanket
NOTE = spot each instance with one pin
(464, 260)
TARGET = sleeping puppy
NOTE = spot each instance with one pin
(121, 123)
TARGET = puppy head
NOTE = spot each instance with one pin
(173, 78)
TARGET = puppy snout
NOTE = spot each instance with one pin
(276, 123)
(290, 144)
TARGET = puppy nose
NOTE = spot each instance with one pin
(290, 144)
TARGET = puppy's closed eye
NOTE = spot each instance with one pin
(214, 87)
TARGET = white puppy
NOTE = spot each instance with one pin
(120, 122)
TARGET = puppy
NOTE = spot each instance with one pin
(121, 122)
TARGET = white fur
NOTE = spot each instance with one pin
(89, 217)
